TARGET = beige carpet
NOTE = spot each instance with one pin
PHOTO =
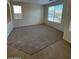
(59, 50)
(32, 39)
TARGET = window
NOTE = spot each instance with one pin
(55, 13)
(17, 11)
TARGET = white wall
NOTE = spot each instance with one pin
(67, 33)
(31, 13)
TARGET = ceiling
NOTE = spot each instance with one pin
(41, 2)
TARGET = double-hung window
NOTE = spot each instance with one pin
(55, 13)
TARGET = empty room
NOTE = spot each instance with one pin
(39, 29)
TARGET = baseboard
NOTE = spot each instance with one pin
(28, 25)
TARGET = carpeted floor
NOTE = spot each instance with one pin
(32, 39)
(59, 50)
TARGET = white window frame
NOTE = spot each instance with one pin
(53, 20)
(17, 10)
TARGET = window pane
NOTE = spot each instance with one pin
(51, 13)
(58, 13)
(17, 9)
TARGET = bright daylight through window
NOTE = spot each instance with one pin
(17, 11)
(55, 13)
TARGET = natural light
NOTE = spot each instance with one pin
(55, 13)
(17, 9)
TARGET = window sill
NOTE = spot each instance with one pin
(54, 22)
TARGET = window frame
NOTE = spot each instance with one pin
(18, 15)
(17, 5)
(54, 12)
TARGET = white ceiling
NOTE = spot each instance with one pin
(41, 2)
